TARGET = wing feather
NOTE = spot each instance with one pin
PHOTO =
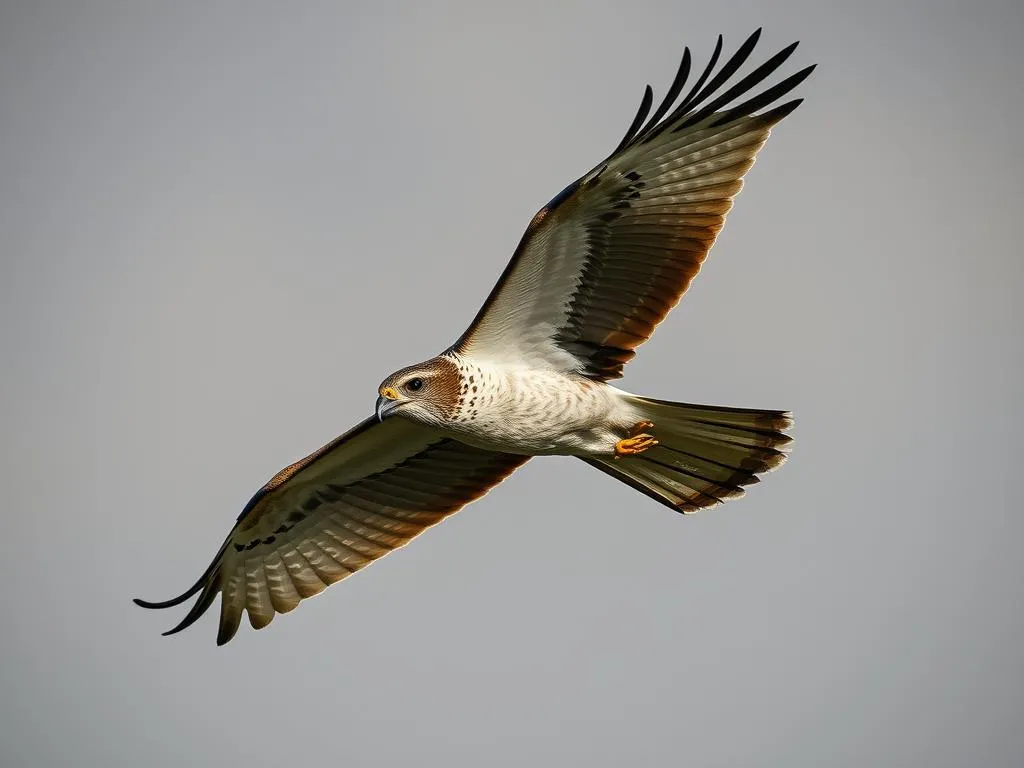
(333, 513)
(604, 262)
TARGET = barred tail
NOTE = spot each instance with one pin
(705, 454)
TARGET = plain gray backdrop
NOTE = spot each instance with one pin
(222, 224)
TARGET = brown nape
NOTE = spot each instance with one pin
(445, 387)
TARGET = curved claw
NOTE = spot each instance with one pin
(631, 446)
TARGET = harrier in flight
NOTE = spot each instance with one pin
(598, 268)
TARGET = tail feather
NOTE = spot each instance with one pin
(705, 454)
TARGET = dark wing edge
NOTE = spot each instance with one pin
(701, 102)
(211, 574)
(430, 484)
(695, 106)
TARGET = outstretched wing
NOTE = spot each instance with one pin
(334, 512)
(603, 263)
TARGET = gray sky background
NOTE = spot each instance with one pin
(223, 223)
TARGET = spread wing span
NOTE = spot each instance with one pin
(327, 516)
(603, 263)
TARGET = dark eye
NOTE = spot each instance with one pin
(415, 385)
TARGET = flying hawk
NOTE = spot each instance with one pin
(598, 268)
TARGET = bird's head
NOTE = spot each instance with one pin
(427, 393)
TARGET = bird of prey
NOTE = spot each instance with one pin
(597, 269)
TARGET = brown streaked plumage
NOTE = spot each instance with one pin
(598, 268)
(326, 522)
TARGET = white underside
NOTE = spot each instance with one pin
(541, 412)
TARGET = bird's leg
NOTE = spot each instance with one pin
(637, 441)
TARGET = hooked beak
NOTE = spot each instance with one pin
(387, 403)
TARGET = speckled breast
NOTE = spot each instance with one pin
(527, 410)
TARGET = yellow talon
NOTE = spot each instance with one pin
(637, 442)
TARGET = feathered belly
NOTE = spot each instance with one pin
(541, 413)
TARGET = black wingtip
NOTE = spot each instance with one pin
(701, 102)
(200, 583)
(670, 96)
(786, 52)
(200, 607)
(183, 624)
(173, 601)
(207, 584)
(768, 97)
(775, 115)
(641, 115)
